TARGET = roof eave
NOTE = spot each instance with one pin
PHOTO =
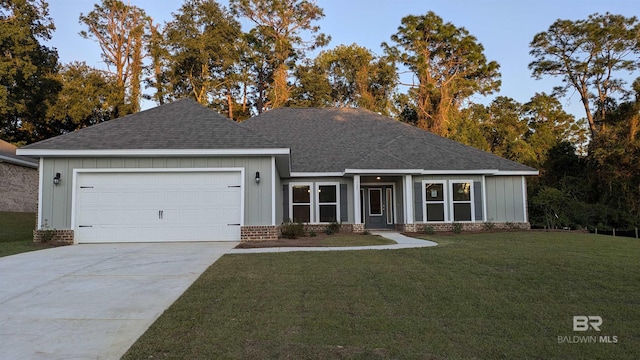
(518, 172)
(15, 161)
(153, 152)
(383, 171)
(347, 172)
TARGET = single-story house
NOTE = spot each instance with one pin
(18, 180)
(182, 172)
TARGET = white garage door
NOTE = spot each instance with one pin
(158, 206)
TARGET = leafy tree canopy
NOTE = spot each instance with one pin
(589, 56)
(27, 67)
(448, 65)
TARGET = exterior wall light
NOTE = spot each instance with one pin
(56, 179)
(257, 177)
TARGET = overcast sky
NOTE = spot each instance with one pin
(504, 27)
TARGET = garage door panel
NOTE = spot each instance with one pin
(157, 206)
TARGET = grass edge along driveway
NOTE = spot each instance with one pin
(501, 295)
(16, 233)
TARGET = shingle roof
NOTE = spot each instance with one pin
(182, 124)
(8, 154)
(335, 139)
(321, 140)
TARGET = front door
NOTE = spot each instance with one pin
(377, 206)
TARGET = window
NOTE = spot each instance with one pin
(314, 202)
(461, 199)
(375, 201)
(389, 206)
(436, 205)
(301, 203)
(328, 210)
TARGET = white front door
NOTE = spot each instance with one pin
(158, 206)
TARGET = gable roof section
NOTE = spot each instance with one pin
(8, 154)
(348, 140)
(183, 126)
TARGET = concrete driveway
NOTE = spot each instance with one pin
(92, 301)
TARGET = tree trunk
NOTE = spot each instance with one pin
(136, 72)
(230, 105)
(280, 91)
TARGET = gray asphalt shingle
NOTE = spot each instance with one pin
(182, 124)
(320, 139)
(335, 139)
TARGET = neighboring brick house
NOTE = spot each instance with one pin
(18, 181)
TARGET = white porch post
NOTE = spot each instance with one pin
(356, 200)
(524, 200)
(408, 199)
(484, 198)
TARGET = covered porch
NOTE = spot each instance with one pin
(383, 201)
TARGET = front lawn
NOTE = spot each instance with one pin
(486, 296)
(16, 233)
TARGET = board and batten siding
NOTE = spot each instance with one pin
(279, 198)
(57, 200)
(506, 199)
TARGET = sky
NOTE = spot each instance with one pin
(504, 27)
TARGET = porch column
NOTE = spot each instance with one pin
(356, 200)
(408, 199)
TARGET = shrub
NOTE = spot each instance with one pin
(333, 228)
(457, 228)
(429, 230)
(488, 225)
(313, 233)
(291, 230)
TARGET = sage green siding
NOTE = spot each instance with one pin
(505, 199)
(279, 199)
(57, 200)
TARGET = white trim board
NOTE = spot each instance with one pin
(400, 172)
(154, 152)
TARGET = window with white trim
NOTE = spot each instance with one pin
(435, 201)
(328, 209)
(375, 202)
(462, 200)
(300, 204)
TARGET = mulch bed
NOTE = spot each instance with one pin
(307, 241)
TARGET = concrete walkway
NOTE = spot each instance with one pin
(403, 242)
(92, 301)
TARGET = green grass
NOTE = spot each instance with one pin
(16, 233)
(488, 296)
